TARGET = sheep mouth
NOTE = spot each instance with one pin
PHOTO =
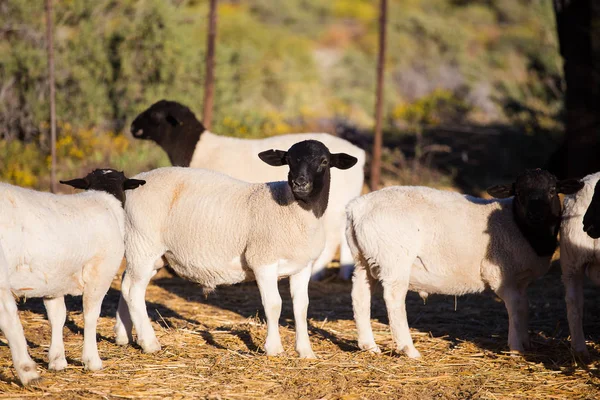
(302, 194)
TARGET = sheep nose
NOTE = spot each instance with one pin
(301, 183)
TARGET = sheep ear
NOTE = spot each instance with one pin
(132, 183)
(502, 191)
(569, 186)
(173, 121)
(274, 158)
(79, 183)
(342, 160)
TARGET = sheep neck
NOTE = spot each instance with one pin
(541, 236)
(180, 147)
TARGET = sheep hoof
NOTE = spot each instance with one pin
(28, 374)
(122, 340)
(273, 350)
(92, 364)
(371, 347)
(150, 347)
(411, 352)
(307, 354)
(58, 364)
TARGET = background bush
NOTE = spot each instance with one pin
(281, 66)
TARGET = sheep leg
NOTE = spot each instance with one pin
(266, 278)
(13, 331)
(362, 284)
(134, 294)
(299, 292)
(515, 301)
(346, 259)
(123, 326)
(92, 303)
(57, 314)
(574, 298)
(394, 294)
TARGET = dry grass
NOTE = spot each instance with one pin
(212, 349)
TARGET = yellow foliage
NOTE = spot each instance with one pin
(78, 151)
(228, 9)
(426, 110)
(362, 10)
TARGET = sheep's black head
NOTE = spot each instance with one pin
(536, 206)
(163, 120)
(309, 162)
(536, 195)
(106, 180)
(591, 219)
(173, 127)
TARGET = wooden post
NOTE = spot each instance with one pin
(209, 84)
(50, 47)
(377, 143)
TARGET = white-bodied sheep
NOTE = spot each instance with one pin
(57, 245)
(580, 254)
(432, 241)
(10, 325)
(175, 128)
(213, 229)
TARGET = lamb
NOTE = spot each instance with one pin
(431, 241)
(175, 128)
(214, 230)
(579, 254)
(57, 245)
(11, 326)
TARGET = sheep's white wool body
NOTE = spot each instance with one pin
(57, 245)
(432, 241)
(238, 158)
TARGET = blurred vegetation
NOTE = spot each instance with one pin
(281, 66)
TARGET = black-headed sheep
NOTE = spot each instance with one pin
(188, 144)
(213, 229)
(432, 241)
(57, 245)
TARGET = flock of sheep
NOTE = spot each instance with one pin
(219, 223)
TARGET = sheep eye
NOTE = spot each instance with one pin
(324, 162)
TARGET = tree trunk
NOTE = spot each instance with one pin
(578, 25)
(50, 47)
(378, 140)
(209, 84)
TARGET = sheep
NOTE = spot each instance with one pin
(175, 128)
(432, 241)
(579, 254)
(11, 326)
(57, 245)
(213, 230)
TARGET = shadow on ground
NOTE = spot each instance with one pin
(480, 319)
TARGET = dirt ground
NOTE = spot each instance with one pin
(212, 348)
